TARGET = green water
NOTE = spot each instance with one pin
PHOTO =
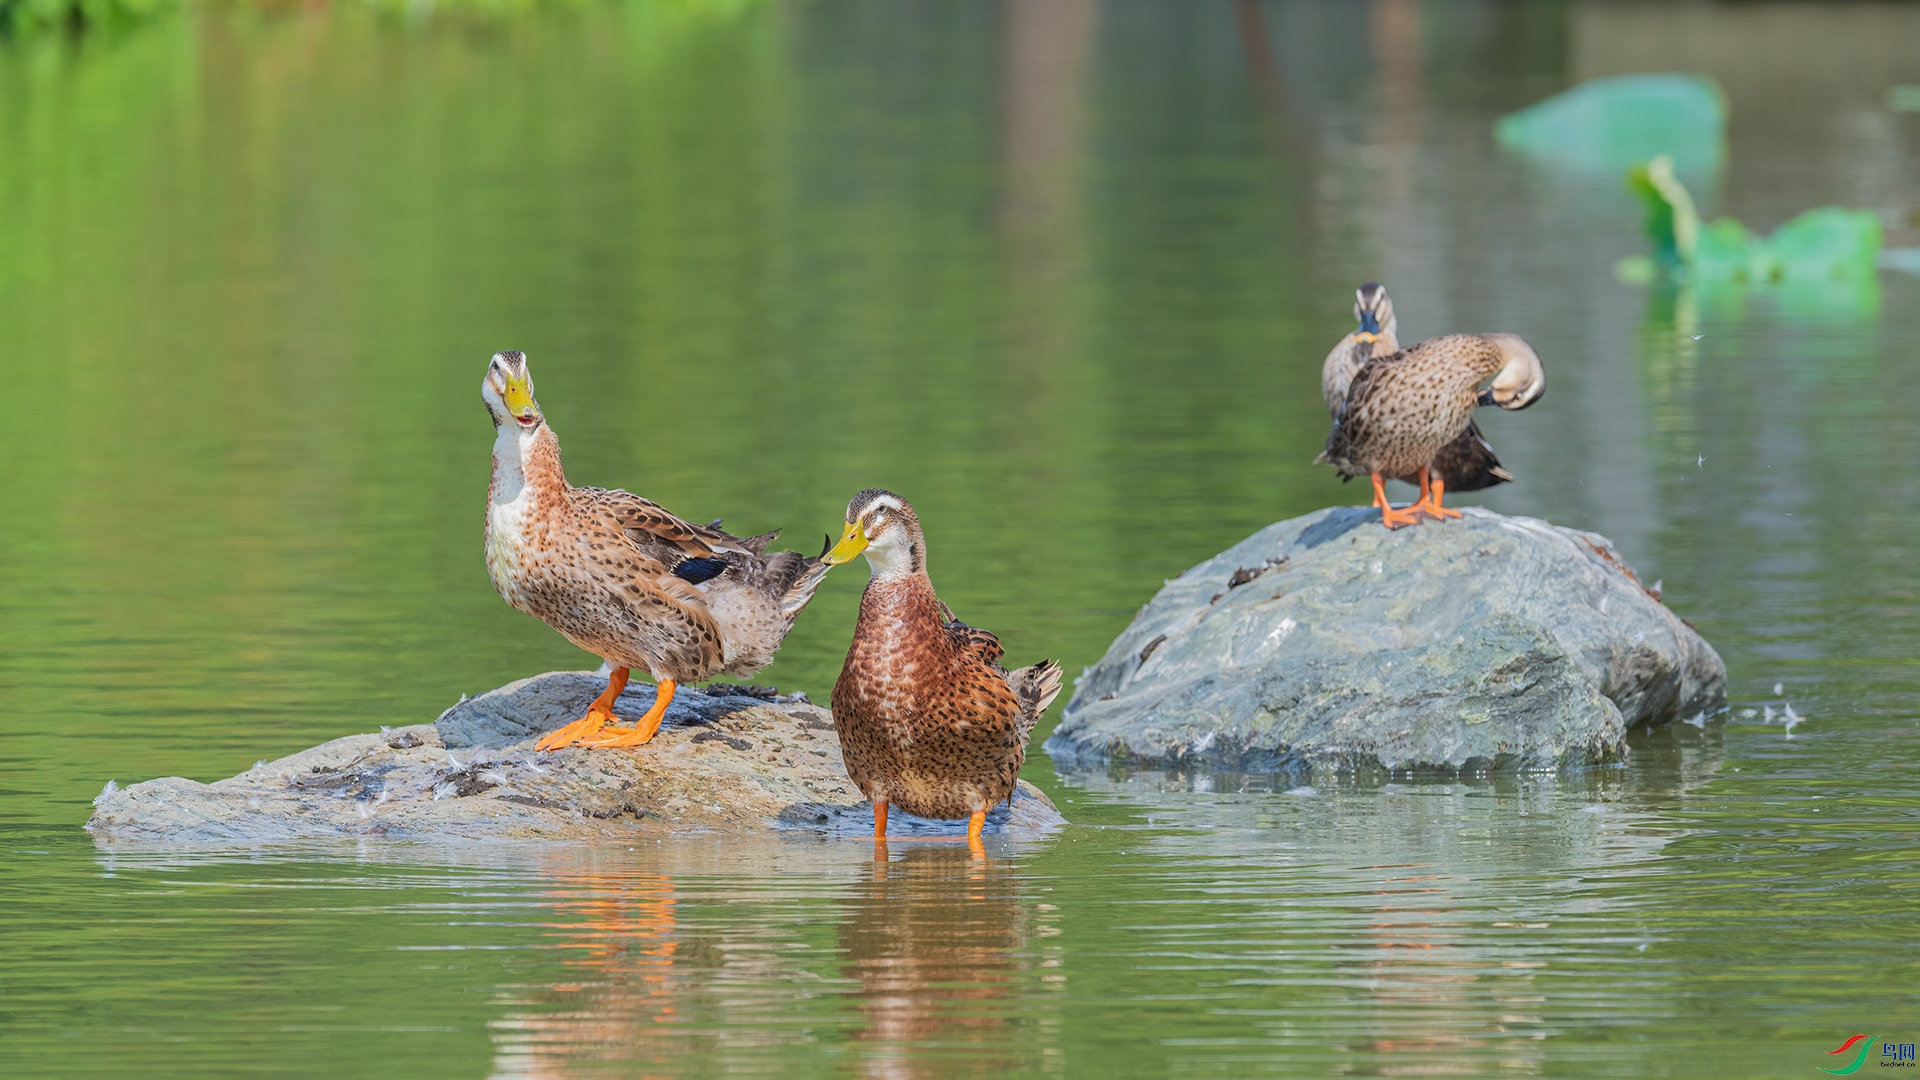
(1060, 273)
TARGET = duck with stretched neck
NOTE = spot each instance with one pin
(928, 719)
(620, 576)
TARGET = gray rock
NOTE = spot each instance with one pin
(1327, 641)
(727, 759)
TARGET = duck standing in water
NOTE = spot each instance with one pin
(621, 577)
(1401, 411)
(1465, 464)
(928, 719)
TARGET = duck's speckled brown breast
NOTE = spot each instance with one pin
(923, 723)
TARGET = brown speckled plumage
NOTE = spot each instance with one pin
(599, 566)
(1402, 410)
(928, 719)
(1465, 464)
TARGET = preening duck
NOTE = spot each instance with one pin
(620, 576)
(1465, 464)
(928, 719)
(1401, 411)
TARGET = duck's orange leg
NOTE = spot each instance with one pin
(1390, 517)
(879, 821)
(1430, 505)
(644, 728)
(599, 715)
(974, 824)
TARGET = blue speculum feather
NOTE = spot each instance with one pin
(698, 570)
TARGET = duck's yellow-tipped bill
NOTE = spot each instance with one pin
(519, 397)
(852, 542)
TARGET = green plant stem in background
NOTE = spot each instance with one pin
(1828, 254)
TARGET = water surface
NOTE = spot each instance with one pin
(1062, 274)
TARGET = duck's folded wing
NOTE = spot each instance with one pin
(649, 524)
(1349, 422)
(983, 644)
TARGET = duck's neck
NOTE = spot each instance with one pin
(899, 554)
(1387, 342)
(526, 466)
(896, 605)
(1484, 363)
(899, 604)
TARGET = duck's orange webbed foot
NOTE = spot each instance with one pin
(1430, 505)
(644, 728)
(1390, 517)
(599, 715)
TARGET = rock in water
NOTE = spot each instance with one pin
(726, 758)
(1490, 642)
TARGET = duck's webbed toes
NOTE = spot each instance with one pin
(1394, 519)
(578, 731)
(643, 729)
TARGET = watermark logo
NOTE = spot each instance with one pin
(1892, 1055)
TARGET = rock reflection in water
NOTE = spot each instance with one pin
(937, 940)
(1431, 914)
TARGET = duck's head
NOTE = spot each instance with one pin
(1374, 308)
(508, 392)
(881, 525)
(1521, 381)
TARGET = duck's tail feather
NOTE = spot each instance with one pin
(799, 576)
(1036, 686)
(1468, 463)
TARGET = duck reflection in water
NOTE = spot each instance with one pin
(618, 931)
(937, 941)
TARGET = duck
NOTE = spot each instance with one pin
(1465, 464)
(1402, 410)
(621, 576)
(1377, 335)
(928, 719)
